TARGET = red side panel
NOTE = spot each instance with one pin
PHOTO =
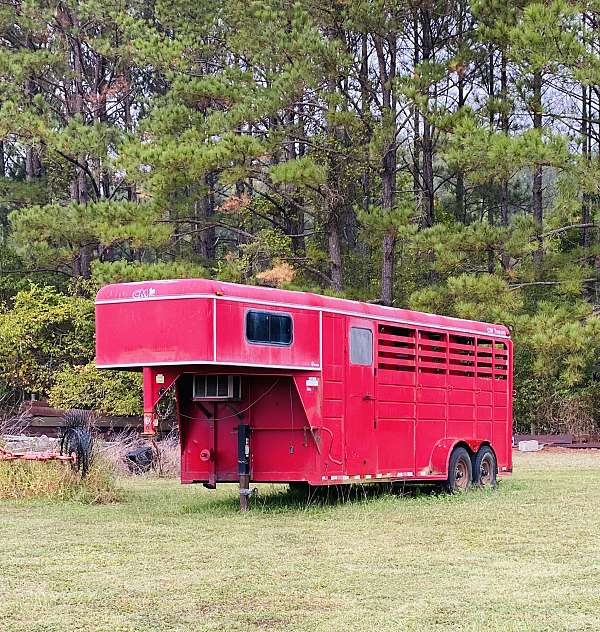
(154, 332)
(396, 420)
(334, 393)
(359, 426)
(396, 398)
(233, 347)
(502, 404)
(282, 446)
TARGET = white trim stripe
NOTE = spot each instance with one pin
(321, 337)
(209, 363)
(311, 308)
(215, 329)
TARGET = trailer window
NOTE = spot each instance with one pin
(361, 346)
(268, 328)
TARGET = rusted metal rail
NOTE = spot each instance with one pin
(49, 455)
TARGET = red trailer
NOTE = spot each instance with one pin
(280, 386)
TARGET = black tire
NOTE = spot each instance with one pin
(485, 468)
(460, 472)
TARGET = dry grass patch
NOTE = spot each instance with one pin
(58, 482)
(166, 454)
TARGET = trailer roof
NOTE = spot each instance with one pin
(147, 291)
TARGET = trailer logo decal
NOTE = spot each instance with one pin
(144, 292)
(310, 382)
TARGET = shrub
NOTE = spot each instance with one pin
(44, 332)
(109, 392)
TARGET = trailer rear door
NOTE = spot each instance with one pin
(361, 450)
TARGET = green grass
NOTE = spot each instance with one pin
(170, 557)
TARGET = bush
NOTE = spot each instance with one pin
(109, 392)
(44, 332)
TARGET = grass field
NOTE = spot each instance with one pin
(170, 557)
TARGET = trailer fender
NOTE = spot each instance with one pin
(440, 455)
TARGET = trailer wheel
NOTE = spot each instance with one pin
(460, 472)
(485, 468)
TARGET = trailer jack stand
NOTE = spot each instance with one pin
(244, 465)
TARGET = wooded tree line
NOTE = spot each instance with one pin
(442, 156)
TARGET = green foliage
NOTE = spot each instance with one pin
(106, 272)
(302, 172)
(56, 233)
(109, 392)
(43, 332)
(484, 297)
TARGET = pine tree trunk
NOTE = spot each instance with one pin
(387, 73)
(335, 253)
(387, 269)
(332, 224)
(204, 209)
(491, 261)
(504, 125)
(416, 166)
(75, 107)
(427, 142)
(585, 138)
(33, 166)
(299, 240)
(536, 191)
(460, 177)
(365, 114)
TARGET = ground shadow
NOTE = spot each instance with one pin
(282, 498)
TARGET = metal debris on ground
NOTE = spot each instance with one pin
(76, 444)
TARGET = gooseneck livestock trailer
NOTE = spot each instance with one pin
(280, 386)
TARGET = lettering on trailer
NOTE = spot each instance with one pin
(144, 292)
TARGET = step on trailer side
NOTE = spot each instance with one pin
(280, 386)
